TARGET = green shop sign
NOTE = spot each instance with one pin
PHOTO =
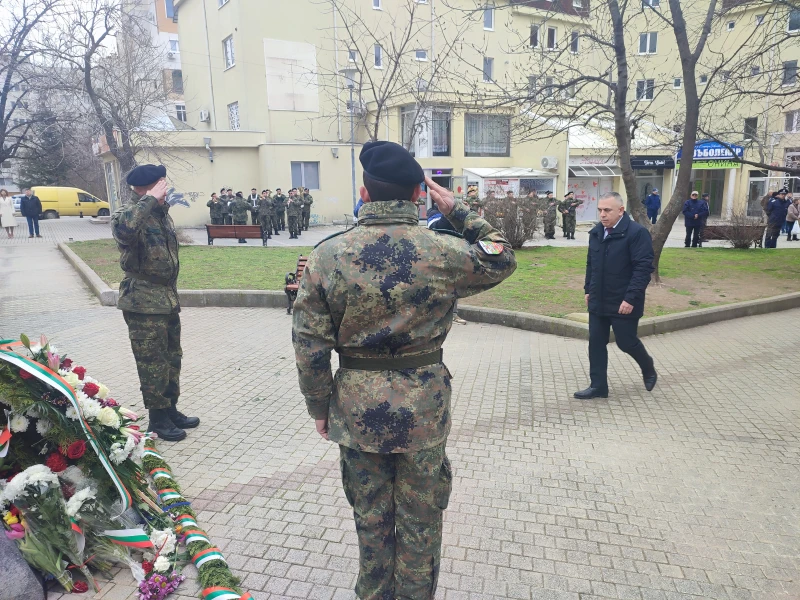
(715, 164)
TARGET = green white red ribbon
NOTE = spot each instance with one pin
(208, 555)
(152, 453)
(196, 535)
(223, 593)
(54, 380)
(186, 521)
(168, 494)
(5, 436)
(160, 472)
(131, 538)
(79, 537)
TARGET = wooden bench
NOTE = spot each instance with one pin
(235, 232)
(293, 283)
(721, 232)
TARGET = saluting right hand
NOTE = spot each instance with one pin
(442, 197)
(159, 191)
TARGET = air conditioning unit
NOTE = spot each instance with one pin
(170, 55)
(356, 107)
(205, 116)
(549, 162)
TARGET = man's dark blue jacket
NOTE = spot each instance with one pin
(695, 207)
(777, 210)
(618, 268)
(653, 202)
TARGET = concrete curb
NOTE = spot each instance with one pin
(476, 314)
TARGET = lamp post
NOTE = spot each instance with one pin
(350, 74)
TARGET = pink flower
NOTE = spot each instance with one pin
(17, 532)
(128, 414)
(136, 435)
(53, 361)
(111, 402)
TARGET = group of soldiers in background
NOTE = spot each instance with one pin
(549, 207)
(267, 210)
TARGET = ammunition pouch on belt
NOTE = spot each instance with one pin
(150, 278)
(397, 363)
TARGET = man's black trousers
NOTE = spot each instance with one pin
(625, 334)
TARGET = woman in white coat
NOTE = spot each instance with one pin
(7, 219)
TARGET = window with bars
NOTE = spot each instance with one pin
(487, 135)
(648, 42)
(228, 53)
(750, 128)
(645, 89)
(305, 174)
(233, 116)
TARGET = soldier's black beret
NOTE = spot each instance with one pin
(390, 163)
(548, 192)
(568, 193)
(145, 175)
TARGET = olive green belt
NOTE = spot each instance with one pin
(397, 363)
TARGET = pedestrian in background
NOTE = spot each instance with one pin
(31, 208)
(653, 205)
(792, 217)
(693, 219)
(381, 295)
(7, 219)
(308, 200)
(618, 268)
(294, 210)
(569, 207)
(777, 209)
(705, 199)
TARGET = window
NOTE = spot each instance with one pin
(793, 121)
(170, 9)
(421, 54)
(174, 46)
(645, 89)
(86, 199)
(351, 56)
(233, 116)
(487, 135)
(677, 83)
(221, 3)
(651, 3)
(426, 132)
(703, 79)
(542, 87)
(305, 174)
(750, 128)
(488, 69)
(794, 20)
(534, 36)
(759, 20)
(573, 42)
(731, 25)
(789, 73)
(378, 56)
(577, 3)
(180, 112)
(227, 52)
(488, 18)
(177, 82)
(552, 38)
(648, 42)
(755, 71)
(376, 4)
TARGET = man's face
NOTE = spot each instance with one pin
(509, 194)
(214, 197)
(27, 193)
(695, 195)
(610, 211)
(230, 192)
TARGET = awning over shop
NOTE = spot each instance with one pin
(594, 171)
(508, 173)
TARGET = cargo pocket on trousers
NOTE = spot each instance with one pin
(348, 491)
(445, 485)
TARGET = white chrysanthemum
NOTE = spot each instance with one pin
(89, 406)
(163, 541)
(37, 475)
(108, 416)
(87, 379)
(53, 349)
(75, 504)
(162, 564)
(71, 413)
(36, 348)
(117, 453)
(43, 426)
(19, 423)
(75, 476)
(103, 393)
(32, 412)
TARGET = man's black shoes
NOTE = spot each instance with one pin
(590, 393)
(650, 381)
(162, 425)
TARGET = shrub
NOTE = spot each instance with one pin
(516, 218)
(743, 231)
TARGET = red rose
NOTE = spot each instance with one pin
(110, 402)
(90, 389)
(80, 372)
(68, 491)
(25, 374)
(80, 587)
(76, 449)
(14, 511)
(147, 567)
(56, 462)
(66, 363)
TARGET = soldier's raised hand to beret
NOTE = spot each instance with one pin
(444, 199)
(159, 191)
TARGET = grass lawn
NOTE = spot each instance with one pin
(548, 280)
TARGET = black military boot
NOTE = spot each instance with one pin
(180, 419)
(162, 425)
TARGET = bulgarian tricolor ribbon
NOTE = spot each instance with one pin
(54, 380)
(208, 555)
(223, 593)
(196, 535)
(160, 472)
(153, 453)
(79, 537)
(131, 538)
(168, 494)
(5, 437)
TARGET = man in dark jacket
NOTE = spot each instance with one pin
(31, 207)
(694, 213)
(777, 209)
(618, 270)
(653, 205)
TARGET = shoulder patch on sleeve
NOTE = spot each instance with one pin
(330, 237)
(491, 248)
(448, 232)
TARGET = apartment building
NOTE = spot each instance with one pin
(267, 93)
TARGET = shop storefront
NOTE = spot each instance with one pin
(589, 178)
(649, 172)
(518, 180)
(714, 172)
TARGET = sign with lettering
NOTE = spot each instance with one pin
(652, 162)
(715, 151)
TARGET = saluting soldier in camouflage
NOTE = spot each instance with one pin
(308, 200)
(265, 214)
(568, 208)
(382, 295)
(550, 216)
(279, 201)
(148, 297)
(215, 208)
(239, 209)
(294, 210)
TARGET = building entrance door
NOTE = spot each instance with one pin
(712, 182)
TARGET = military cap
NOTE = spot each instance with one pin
(278, 189)
(568, 194)
(548, 192)
(705, 195)
(146, 174)
(783, 191)
(388, 162)
(239, 195)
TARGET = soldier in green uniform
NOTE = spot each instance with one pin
(489, 197)
(279, 201)
(294, 210)
(550, 216)
(239, 209)
(227, 200)
(308, 200)
(148, 297)
(472, 199)
(382, 295)
(273, 213)
(568, 208)
(252, 200)
(215, 208)
(265, 214)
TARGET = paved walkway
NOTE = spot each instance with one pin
(690, 492)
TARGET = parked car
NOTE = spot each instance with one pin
(69, 201)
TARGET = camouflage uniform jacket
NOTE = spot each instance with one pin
(216, 209)
(239, 210)
(295, 207)
(387, 289)
(551, 216)
(224, 201)
(148, 249)
(308, 200)
(474, 203)
(265, 208)
(567, 205)
(279, 202)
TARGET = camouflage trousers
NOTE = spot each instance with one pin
(294, 228)
(217, 220)
(305, 220)
(398, 501)
(156, 345)
(281, 216)
(549, 227)
(569, 223)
